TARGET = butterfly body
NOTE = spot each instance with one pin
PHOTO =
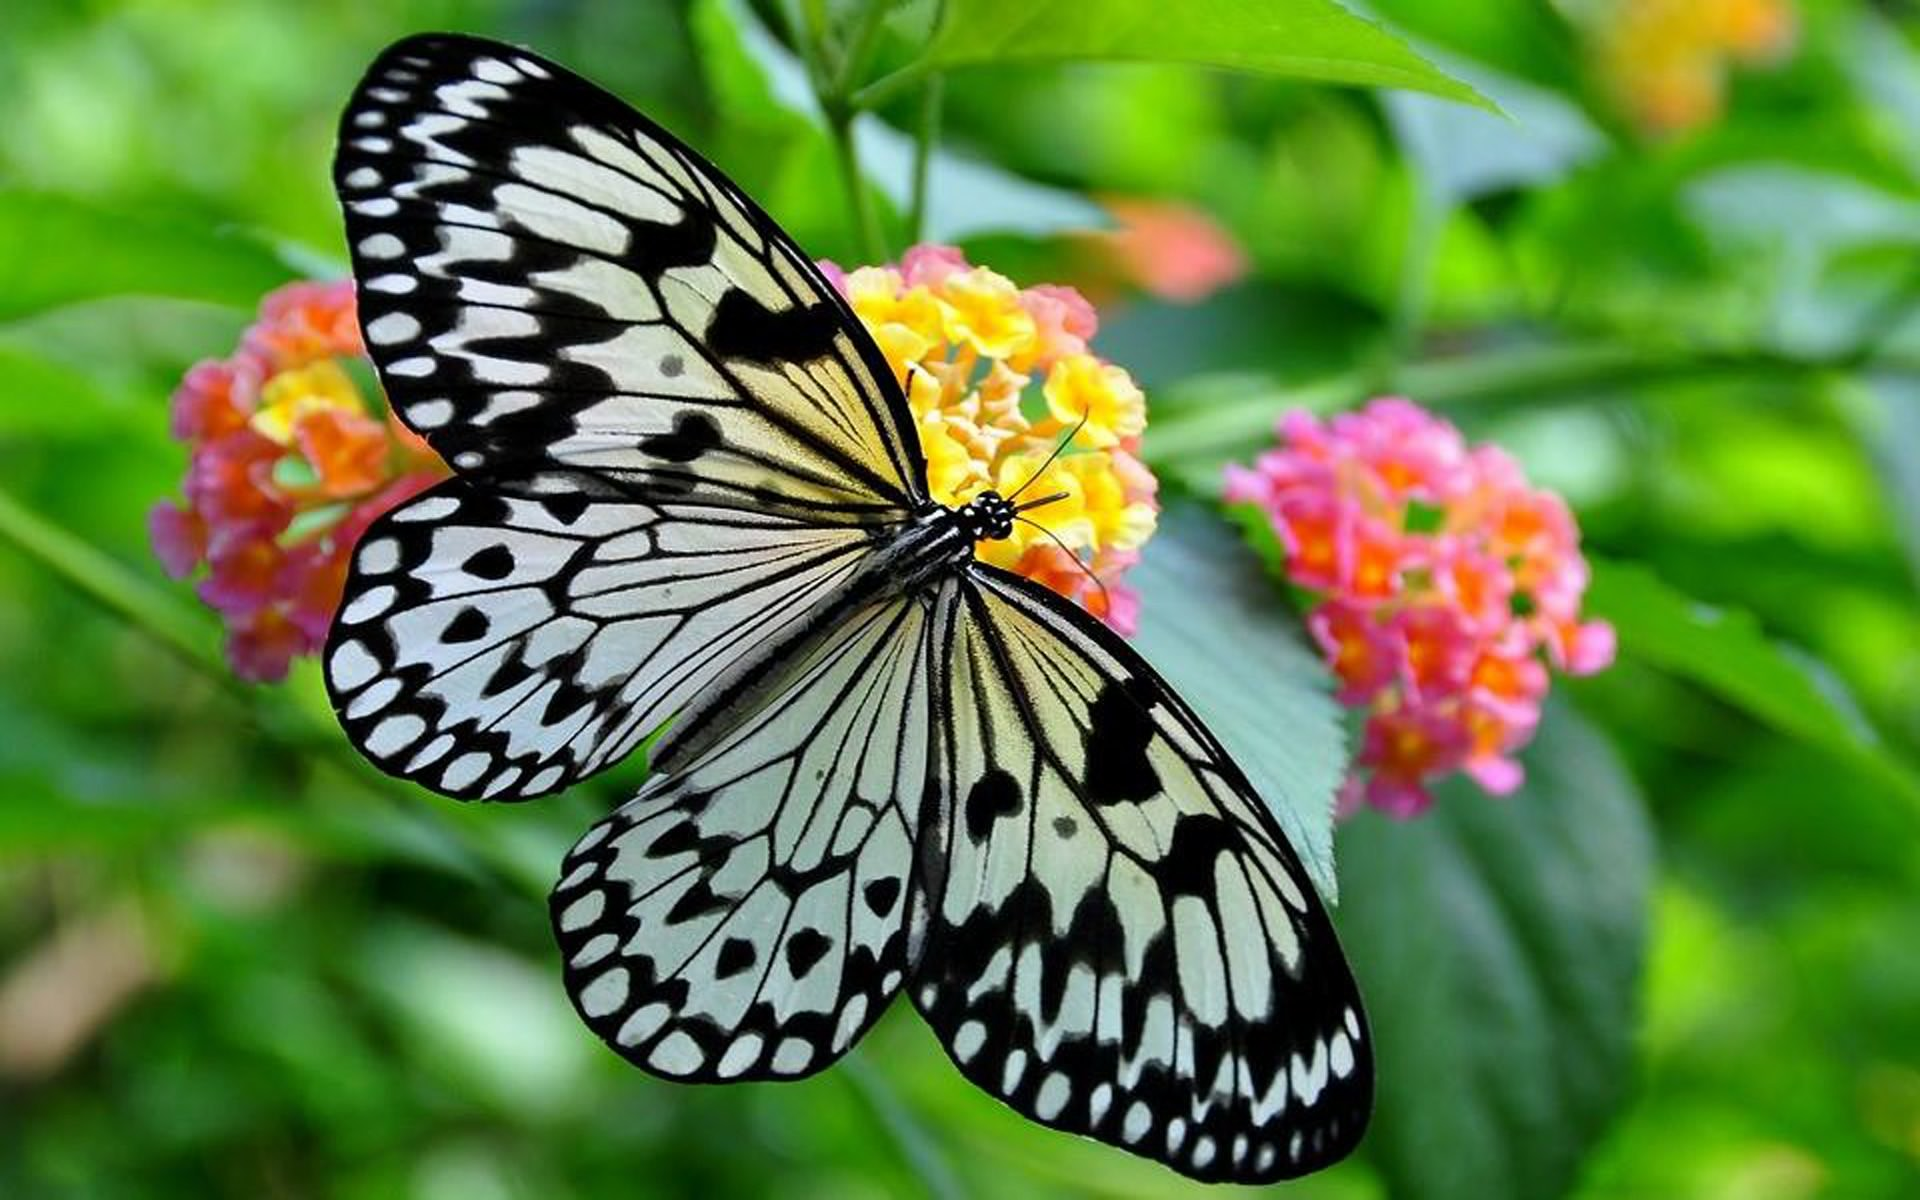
(690, 505)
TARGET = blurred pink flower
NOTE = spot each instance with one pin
(1172, 250)
(1441, 578)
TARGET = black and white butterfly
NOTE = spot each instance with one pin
(689, 494)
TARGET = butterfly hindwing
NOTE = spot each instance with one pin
(548, 277)
(506, 638)
(1121, 943)
(751, 912)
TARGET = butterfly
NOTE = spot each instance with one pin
(689, 505)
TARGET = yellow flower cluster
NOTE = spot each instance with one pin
(1667, 60)
(968, 346)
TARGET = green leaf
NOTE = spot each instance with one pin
(1888, 419)
(57, 250)
(1463, 154)
(50, 398)
(1301, 39)
(1725, 651)
(1498, 945)
(755, 77)
(1215, 624)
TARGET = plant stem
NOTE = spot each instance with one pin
(1424, 223)
(919, 1150)
(116, 587)
(840, 118)
(811, 37)
(1530, 375)
(829, 88)
(925, 138)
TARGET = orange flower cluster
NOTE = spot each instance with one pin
(290, 462)
(968, 346)
(1440, 577)
(1667, 60)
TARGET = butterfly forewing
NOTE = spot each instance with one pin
(750, 914)
(546, 276)
(506, 638)
(1123, 945)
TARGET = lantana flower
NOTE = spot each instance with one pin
(1443, 586)
(999, 378)
(1667, 60)
(290, 462)
(1170, 250)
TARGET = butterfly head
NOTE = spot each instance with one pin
(987, 517)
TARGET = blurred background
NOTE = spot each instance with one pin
(1677, 279)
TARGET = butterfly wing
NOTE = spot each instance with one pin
(545, 275)
(505, 638)
(1121, 942)
(749, 914)
(672, 436)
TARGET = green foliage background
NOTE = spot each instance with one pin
(235, 962)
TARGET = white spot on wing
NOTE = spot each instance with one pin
(607, 992)
(430, 414)
(743, 1053)
(368, 604)
(352, 665)
(582, 912)
(1055, 1090)
(462, 771)
(793, 1056)
(642, 1024)
(1340, 1058)
(394, 734)
(677, 1054)
(392, 328)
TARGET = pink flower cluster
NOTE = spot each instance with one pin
(1443, 586)
(289, 464)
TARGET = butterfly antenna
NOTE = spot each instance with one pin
(1020, 508)
(1064, 443)
(1106, 597)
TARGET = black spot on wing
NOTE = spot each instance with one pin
(805, 948)
(470, 625)
(493, 563)
(567, 508)
(694, 433)
(736, 955)
(658, 247)
(1118, 734)
(880, 895)
(996, 795)
(1187, 868)
(743, 327)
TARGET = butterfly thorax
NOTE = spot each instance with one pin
(939, 541)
